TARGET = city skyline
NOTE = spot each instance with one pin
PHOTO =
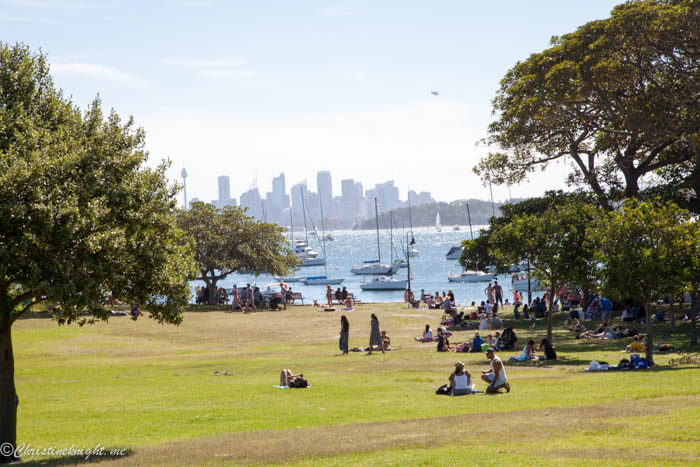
(352, 202)
(232, 88)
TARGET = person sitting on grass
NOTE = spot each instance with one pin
(476, 342)
(443, 344)
(427, 335)
(386, 341)
(135, 312)
(495, 375)
(460, 381)
(348, 304)
(287, 377)
(528, 352)
(549, 352)
(577, 326)
(637, 345)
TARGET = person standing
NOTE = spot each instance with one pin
(251, 297)
(495, 375)
(375, 337)
(329, 295)
(344, 335)
(235, 303)
(498, 293)
(489, 293)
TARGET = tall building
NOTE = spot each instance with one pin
(296, 192)
(224, 189)
(324, 187)
(387, 196)
(252, 201)
(348, 198)
(277, 200)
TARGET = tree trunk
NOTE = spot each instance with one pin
(550, 306)
(212, 291)
(693, 320)
(673, 315)
(650, 332)
(8, 395)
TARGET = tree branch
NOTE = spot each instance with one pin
(22, 297)
(17, 315)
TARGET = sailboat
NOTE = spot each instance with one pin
(291, 231)
(456, 251)
(438, 227)
(383, 282)
(412, 251)
(302, 249)
(375, 266)
(322, 280)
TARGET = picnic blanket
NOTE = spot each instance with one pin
(287, 387)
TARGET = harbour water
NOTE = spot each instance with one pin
(429, 270)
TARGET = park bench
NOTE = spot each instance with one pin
(296, 296)
(351, 296)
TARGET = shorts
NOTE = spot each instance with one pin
(498, 382)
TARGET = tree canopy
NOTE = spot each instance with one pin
(228, 241)
(617, 100)
(82, 218)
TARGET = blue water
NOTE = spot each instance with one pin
(429, 270)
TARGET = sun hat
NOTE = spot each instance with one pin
(459, 365)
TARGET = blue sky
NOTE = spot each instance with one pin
(253, 88)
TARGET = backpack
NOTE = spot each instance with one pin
(299, 383)
(624, 364)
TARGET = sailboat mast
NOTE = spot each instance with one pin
(410, 217)
(323, 240)
(469, 216)
(376, 218)
(391, 235)
(303, 208)
(291, 225)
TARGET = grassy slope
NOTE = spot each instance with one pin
(152, 388)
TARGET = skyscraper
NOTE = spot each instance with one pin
(324, 186)
(224, 191)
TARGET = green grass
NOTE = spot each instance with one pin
(152, 389)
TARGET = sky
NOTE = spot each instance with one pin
(250, 89)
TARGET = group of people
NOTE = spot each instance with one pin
(495, 376)
(529, 352)
(202, 296)
(378, 340)
(445, 301)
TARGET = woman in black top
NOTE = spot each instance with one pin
(344, 333)
(549, 352)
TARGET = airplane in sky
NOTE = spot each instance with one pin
(434, 93)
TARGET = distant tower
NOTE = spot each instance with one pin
(184, 182)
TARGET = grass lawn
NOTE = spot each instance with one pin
(152, 390)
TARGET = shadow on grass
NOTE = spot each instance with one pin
(80, 459)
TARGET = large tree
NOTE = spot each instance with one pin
(553, 242)
(643, 250)
(228, 241)
(617, 100)
(81, 216)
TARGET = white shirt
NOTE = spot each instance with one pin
(483, 325)
(428, 334)
(461, 381)
(502, 376)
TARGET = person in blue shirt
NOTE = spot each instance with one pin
(476, 343)
(606, 310)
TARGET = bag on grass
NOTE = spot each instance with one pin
(624, 364)
(299, 383)
(443, 390)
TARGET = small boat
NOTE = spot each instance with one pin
(470, 276)
(455, 252)
(384, 283)
(289, 279)
(330, 237)
(373, 267)
(412, 252)
(402, 263)
(313, 262)
(520, 284)
(438, 227)
(322, 280)
(456, 227)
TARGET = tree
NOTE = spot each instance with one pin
(553, 241)
(81, 217)
(643, 250)
(617, 99)
(227, 241)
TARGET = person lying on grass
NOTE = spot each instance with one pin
(495, 375)
(386, 341)
(287, 377)
(460, 381)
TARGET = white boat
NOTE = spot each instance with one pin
(438, 227)
(384, 283)
(289, 279)
(520, 284)
(402, 263)
(313, 262)
(412, 252)
(373, 267)
(322, 280)
(456, 227)
(454, 253)
(470, 276)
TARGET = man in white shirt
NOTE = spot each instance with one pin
(495, 375)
